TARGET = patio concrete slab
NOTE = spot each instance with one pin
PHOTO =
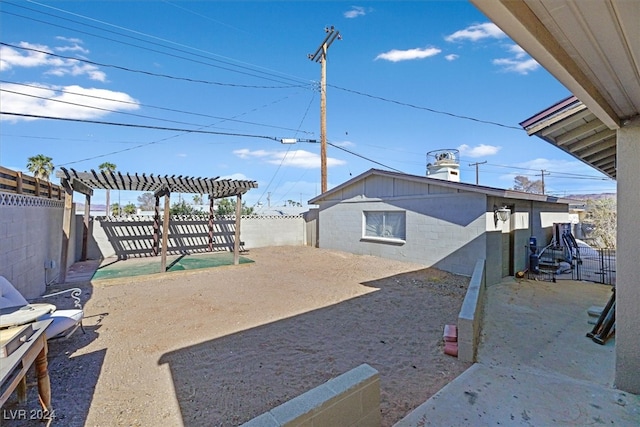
(492, 395)
(535, 365)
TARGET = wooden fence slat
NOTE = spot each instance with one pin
(17, 182)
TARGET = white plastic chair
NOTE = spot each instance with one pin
(65, 322)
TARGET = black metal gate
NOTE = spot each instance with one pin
(557, 263)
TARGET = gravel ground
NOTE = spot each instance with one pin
(220, 346)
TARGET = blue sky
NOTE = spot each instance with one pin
(232, 78)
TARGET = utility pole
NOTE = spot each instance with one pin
(320, 56)
(476, 165)
(542, 172)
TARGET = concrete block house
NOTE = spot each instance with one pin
(435, 222)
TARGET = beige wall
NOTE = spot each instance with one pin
(628, 258)
(30, 237)
(351, 399)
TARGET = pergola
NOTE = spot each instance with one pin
(86, 182)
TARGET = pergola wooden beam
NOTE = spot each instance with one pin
(86, 182)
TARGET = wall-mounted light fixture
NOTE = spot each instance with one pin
(501, 214)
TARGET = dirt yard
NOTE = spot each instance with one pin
(218, 347)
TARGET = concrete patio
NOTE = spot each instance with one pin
(535, 365)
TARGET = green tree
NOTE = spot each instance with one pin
(40, 166)
(129, 209)
(147, 201)
(115, 209)
(602, 215)
(197, 199)
(182, 208)
(108, 167)
(228, 207)
(522, 183)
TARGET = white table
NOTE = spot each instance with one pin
(21, 315)
(13, 369)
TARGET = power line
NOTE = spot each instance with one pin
(256, 69)
(431, 110)
(102, 98)
(554, 172)
(294, 154)
(359, 155)
(131, 125)
(97, 108)
(148, 73)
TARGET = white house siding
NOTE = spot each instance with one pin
(444, 227)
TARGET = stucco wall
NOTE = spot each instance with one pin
(628, 258)
(527, 218)
(30, 235)
(442, 230)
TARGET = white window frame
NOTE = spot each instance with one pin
(378, 229)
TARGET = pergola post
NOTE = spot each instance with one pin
(66, 231)
(156, 227)
(85, 225)
(211, 221)
(236, 240)
(165, 231)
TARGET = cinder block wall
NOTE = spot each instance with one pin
(30, 235)
(134, 235)
(262, 231)
(445, 231)
(351, 399)
(470, 316)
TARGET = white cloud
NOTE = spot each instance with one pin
(517, 65)
(520, 62)
(396, 55)
(69, 39)
(517, 51)
(296, 158)
(37, 57)
(12, 58)
(451, 57)
(245, 153)
(74, 48)
(236, 176)
(355, 12)
(75, 68)
(343, 144)
(481, 150)
(73, 101)
(477, 32)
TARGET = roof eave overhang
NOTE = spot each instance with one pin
(517, 20)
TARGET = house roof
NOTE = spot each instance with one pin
(489, 191)
(593, 48)
(85, 182)
(572, 127)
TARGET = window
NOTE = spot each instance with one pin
(384, 225)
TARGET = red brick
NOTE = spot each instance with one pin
(451, 333)
(451, 348)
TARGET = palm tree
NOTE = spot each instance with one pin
(107, 167)
(40, 166)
